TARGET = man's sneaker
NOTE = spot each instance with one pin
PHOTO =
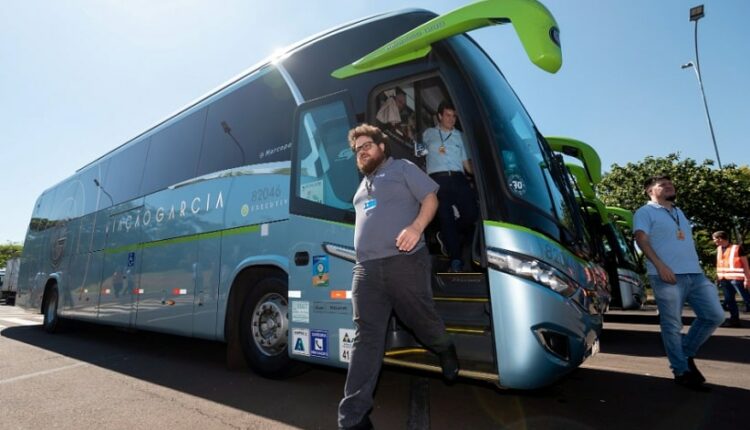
(443, 249)
(732, 323)
(693, 368)
(449, 364)
(690, 380)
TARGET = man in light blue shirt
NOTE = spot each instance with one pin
(447, 164)
(665, 236)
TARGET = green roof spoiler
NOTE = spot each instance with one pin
(534, 24)
(625, 215)
(595, 206)
(582, 179)
(582, 151)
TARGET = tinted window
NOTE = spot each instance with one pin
(326, 168)
(67, 205)
(251, 124)
(91, 198)
(125, 172)
(174, 151)
(43, 211)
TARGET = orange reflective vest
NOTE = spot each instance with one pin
(728, 263)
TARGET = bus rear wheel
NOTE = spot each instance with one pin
(264, 326)
(51, 322)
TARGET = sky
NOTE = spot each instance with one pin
(78, 78)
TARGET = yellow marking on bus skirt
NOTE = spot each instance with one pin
(466, 330)
(405, 351)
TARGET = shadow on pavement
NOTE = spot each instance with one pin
(719, 347)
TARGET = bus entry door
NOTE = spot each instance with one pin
(324, 179)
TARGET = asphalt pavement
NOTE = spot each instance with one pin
(93, 377)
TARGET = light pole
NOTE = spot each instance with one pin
(697, 13)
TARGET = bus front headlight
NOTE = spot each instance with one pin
(530, 268)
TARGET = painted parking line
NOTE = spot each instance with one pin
(20, 321)
(43, 372)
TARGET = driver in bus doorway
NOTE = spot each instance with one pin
(448, 165)
(394, 203)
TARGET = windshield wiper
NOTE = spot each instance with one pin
(557, 171)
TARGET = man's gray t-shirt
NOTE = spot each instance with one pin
(661, 226)
(386, 202)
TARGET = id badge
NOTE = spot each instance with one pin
(680, 235)
(370, 204)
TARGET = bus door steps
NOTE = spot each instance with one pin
(422, 359)
(460, 285)
(465, 311)
(473, 343)
(469, 329)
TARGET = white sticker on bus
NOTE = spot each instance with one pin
(301, 341)
(346, 343)
(300, 311)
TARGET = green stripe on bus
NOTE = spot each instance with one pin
(535, 233)
(184, 239)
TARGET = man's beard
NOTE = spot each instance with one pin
(369, 166)
(671, 198)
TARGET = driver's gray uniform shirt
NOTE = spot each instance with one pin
(386, 202)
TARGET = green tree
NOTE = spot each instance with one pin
(9, 251)
(713, 199)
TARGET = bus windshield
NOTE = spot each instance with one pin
(528, 167)
(625, 251)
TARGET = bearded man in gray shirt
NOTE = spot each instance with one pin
(394, 204)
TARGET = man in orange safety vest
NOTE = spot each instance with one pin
(733, 275)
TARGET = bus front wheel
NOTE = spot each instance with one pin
(264, 327)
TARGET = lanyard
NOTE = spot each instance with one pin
(676, 218)
(442, 141)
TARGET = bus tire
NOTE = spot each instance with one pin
(51, 322)
(264, 327)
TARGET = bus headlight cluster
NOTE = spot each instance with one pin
(533, 269)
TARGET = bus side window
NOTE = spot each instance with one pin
(173, 154)
(249, 125)
(123, 180)
(327, 171)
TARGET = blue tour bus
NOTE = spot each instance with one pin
(232, 220)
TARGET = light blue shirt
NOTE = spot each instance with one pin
(662, 225)
(444, 161)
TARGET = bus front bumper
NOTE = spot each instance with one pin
(540, 335)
